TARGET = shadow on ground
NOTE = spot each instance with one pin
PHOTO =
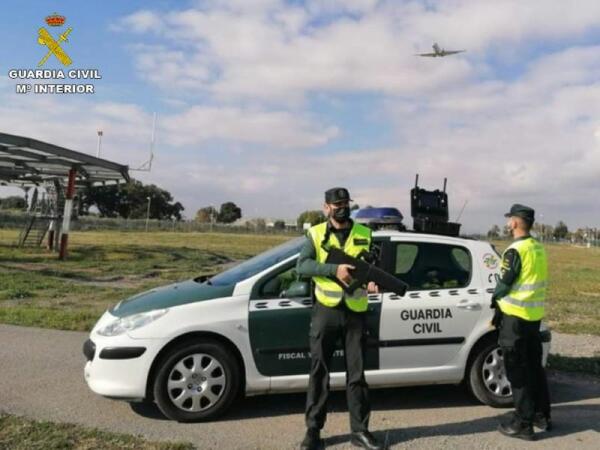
(568, 419)
(564, 389)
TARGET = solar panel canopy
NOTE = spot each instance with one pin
(26, 161)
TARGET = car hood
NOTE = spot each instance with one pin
(169, 296)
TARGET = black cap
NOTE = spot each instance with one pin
(522, 211)
(337, 194)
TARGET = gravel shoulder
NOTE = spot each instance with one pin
(575, 345)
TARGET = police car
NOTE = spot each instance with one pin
(193, 347)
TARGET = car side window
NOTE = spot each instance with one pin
(405, 258)
(462, 258)
(277, 283)
(425, 265)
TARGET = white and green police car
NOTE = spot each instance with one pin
(193, 346)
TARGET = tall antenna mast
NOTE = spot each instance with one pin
(147, 166)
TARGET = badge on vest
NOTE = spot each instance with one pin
(359, 241)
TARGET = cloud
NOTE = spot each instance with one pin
(241, 79)
(275, 129)
(142, 21)
(275, 52)
(278, 54)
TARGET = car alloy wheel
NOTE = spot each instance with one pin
(494, 374)
(196, 382)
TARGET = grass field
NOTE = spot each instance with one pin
(18, 433)
(104, 267)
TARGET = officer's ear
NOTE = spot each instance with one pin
(326, 209)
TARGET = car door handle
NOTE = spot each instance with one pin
(468, 304)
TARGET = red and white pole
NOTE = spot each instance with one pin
(67, 214)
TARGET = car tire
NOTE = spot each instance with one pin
(197, 382)
(487, 377)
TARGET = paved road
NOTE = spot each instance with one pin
(41, 376)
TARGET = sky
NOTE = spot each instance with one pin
(268, 103)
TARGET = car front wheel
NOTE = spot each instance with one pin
(197, 382)
(487, 377)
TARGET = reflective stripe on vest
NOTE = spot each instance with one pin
(327, 291)
(522, 303)
(527, 294)
(529, 287)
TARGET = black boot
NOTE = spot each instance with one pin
(366, 440)
(517, 429)
(542, 422)
(312, 440)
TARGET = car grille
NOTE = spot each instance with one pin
(89, 349)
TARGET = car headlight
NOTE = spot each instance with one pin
(128, 323)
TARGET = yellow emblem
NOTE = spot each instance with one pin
(54, 48)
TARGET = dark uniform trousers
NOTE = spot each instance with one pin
(329, 326)
(522, 349)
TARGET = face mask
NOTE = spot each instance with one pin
(341, 214)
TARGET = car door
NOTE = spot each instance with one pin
(279, 326)
(429, 326)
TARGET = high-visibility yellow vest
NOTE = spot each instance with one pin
(528, 293)
(327, 291)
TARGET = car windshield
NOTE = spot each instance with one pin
(258, 263)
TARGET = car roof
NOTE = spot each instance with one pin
(424, 236)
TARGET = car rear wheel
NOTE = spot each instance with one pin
(487, 377)
(196, 382)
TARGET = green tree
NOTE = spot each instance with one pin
(313, 217)
(130, 201)
(279, 225)
(206, 214)
(561, 230)
(229, 213)
(494, 232)
(13, 202)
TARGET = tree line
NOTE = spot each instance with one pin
(558, 232)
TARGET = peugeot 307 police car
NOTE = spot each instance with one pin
(193, 346)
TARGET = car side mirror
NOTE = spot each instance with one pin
(297, 289)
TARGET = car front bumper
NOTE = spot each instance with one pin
(118, 366)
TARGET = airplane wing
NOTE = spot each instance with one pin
(433, 55)
(452, 52)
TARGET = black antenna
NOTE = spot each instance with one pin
(417, 181)
(445, 180)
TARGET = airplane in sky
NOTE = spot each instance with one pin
(440, 52)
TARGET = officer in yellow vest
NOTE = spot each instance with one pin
(519, 299)
(336, 316)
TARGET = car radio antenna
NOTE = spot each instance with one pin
(462, 209)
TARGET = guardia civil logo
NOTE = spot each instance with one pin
(53, 46)
(53, 40)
